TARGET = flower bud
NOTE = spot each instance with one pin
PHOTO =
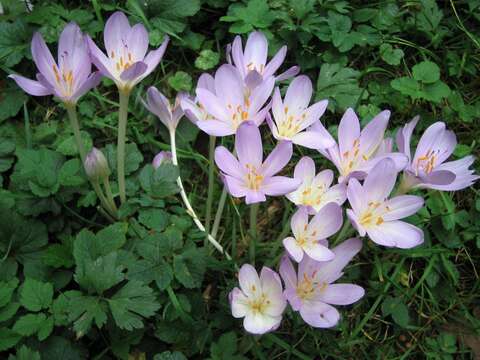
(163, 157)
(96, 165)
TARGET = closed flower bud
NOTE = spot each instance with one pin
(96, 165)
(163, 157)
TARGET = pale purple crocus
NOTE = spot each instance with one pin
(311, 291)
(292, 116)
(259, 300)
(158, 104)
(232, 103)
(310, 237)
(127, 61)
(69, 78)
(358, 151)
(193, 109)
(250, 176)
(377, 216)
(427, 168)
(163, 157)
(315, 190)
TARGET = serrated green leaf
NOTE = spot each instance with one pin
(390, 55)
(71, 173)
(8, 338)
(30, 324)
(58, 255)
(167, 355)
(189, 267)
(7, 289)
(14, 43)
(36, 295)
(84, 311)
(426, 72)
(68, 146)
(25, 353)
(207, 60)
(181, 81)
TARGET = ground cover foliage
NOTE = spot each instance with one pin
(75, 286)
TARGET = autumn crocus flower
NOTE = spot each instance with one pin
(127, 61)
(292, 116)
(309, 237)
(163, 157)
(312, 291)
(232, 103)
(248, 176)
(357, 151)
(427, 168)
(315, 190)
(70, 77)
(252, 63)
(375, 215)
(159, 105)
(259, 300)
(193, 109)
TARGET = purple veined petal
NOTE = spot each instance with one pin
(299, 222)
(115, 33)
(31, 87)
(288, 273)
(327, 221)
(73, 54)
(137, 42)
(331, 271)
(228, 163)
(235, 187)
(256, 50)
(238, 303)
(277, 106)
(229, 85)
(293, 249)
(272, 126)
(55, 91)
(260, 116)
(249, 280)
(253, 197)
(313, 114)
(380, 180)
(400, 160)
(253, 79)
(439, 177)
(342, 294)
(159, 105)
(99, 59)
(396, 234)
(404, 136)
(319, 252)
(277, 61)
(427, 142)
(337, 193)
(356, 196)
(464, 176)
(248, 145)
(348, 131)
(323, 133)
(323, 178)
(212, 104)
(228, 53)
(256, 323)
(154, 57)
(352, 217)
(312, 140)
(215, 127)
(206, 81)
(291, 72)
(319, 314)
(305, 169)
(90, 82)
(135, 71)
(261, 94)
(237, 55)
(402, 206)
(272, 288)
(372, 135)
(444, 147)
(191, 110)
(278, 158)
(44, 60)
(298, 94)
(279, 185)
(385, 147)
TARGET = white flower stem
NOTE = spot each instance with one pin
(190, 210)
(124, 95)
(218, 215)
(211, 168)
(108, 190)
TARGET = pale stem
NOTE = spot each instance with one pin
(211, 168)
(218, 215)
(122, 132)
(190, 210)
(108, 190)
(105, 203)
(253, 231)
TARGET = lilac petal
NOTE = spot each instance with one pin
(299, 222)
(228, 163)
(293, 249)
(342, 294)
(337, 194)
(249, 280)
(319, 252)
(352, 217)
(43, 59)
(215, 127)
(348, 131)
(116, 32)
(272, 289)
(256, 323)
(319, 314)
(73, 53)
(291, 72)
(253, 79)
(272, 126)
(159, 105)
(396, 234)
(278, 159)
(288, 273)
(381, 180)
(253, 197)
(137, 41)
(154, 57)
(235, 186)
(400, 160)
(404, 136)
(99, 59)
(275, 62)
(356, 196)
(228, 53)
(212, 104)
(330, 271)
(31, 87)
(91, 82)
(429, 138)
(298, 94)
(323, 178)
(313, 114)
(402, 206)
(305, 169)
(237, 54)
(312, 140)
(444, 147)
(439, 177)
(327, 221)
(191, 110)
(256, 49)
(238, 303)
(248, 145)
(261, 94)
(206, 81)
(229, 85)
(372, 134)
(134, 71)
(464, 176)
(260, 116)
(279, 185)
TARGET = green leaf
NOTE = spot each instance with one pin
(68, 146)
(58, 255)
(398, 310)
(181, 81)
(207, 59)
(256, 14)
(167, 355)
(8, 338)
(133, 157)
(407, 86)
(7, 312)
(71, 173)
(14, 43)
(84, 310)
(11, 100)
(426, 72)
(36, 295)
(30, 324)
(6, 291)
(25, 353)
(390, 55)
(160, 182)
(189, 267)
(154, 219)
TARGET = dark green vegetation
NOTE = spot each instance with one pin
(73, 286)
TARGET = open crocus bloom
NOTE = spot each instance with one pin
(357, 151)
(292, 116)
(315, 191)
(68, 79)
(374, 214)
(259, 300)
(232, 103)
(312, 292)
(310, 237)
(159, 105)
(193, 109)
(126, 46)
(428, 168)
(250, 178)
(252, 63)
